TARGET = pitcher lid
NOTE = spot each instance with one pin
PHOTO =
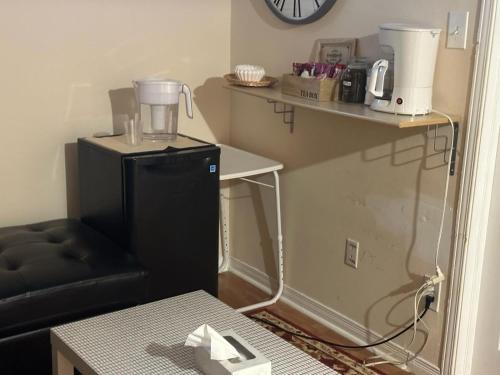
(157, 81)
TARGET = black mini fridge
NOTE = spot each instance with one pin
(160, 201)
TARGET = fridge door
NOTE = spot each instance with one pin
(171, 207)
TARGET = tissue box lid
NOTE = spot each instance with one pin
(257, 364)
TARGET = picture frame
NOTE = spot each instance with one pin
(334, 51)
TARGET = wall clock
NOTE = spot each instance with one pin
(300, 11)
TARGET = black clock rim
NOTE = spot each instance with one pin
(322, 11)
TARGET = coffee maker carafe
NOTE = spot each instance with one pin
(402, 82)
(161, 99)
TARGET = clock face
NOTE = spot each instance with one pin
(300, 11)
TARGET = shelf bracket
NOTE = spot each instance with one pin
(453, 154)
(287, 110)
(452, 150)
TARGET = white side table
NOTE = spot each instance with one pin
(239, 164)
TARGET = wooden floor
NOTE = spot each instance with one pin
(237, 293)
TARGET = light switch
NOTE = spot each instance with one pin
(457, 29)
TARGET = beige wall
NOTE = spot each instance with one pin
(60, 59)
(343, 178)
(347, 178)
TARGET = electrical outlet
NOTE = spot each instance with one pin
(351, 253)
(437, 296)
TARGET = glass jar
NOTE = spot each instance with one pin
(354, 82)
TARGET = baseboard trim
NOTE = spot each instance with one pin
(332, 319)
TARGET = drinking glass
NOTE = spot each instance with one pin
(133, 132)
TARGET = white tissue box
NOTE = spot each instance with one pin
(252, 362)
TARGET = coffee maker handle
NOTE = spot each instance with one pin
(189, 103)
(377, 77)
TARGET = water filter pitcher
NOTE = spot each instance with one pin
(158, 102)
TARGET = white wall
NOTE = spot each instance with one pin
(486, 355)
(347, 178)
(60, 59)
(487, 340)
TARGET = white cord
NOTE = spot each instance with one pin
(424, 294)
(445, 198)
(419, 294)
(416, 302)
(439, 277)
(424, 289)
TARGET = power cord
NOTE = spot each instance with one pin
(427, 288)
(428, 301)
(431, 283)
(447, 184)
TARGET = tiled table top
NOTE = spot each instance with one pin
(149, 339)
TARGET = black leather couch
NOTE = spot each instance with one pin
(55, 272)
(132, 246)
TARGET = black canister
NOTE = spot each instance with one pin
(354, 83)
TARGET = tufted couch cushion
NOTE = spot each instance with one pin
(59, 270)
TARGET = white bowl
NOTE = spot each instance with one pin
(249, 73)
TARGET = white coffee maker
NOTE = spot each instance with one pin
(411, 59)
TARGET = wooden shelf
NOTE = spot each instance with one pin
(358, 111)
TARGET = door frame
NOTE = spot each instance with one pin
(474, 199)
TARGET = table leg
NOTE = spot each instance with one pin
(60, 364)
(281, 273)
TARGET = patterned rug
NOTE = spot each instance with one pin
(340, 361)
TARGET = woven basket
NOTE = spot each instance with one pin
(264, 82)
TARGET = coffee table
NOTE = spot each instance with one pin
(149, 339)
